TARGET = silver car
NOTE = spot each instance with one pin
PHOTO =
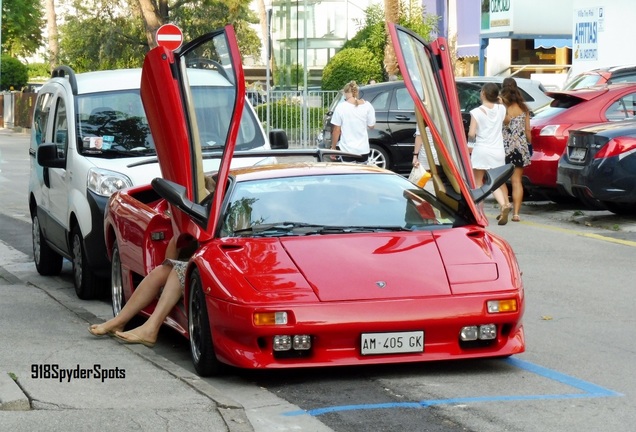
(532, 90)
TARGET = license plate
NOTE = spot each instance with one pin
(578, 154)
(391, 343)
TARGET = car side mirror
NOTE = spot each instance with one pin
(494, 178)
(177, 195)
(278, 139)
(48, 156)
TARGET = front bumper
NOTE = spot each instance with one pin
(336, 330)
(94, 243)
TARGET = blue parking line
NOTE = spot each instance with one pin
(588, 389)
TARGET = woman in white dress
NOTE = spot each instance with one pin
(486, 139)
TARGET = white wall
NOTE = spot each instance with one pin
(498, 57)
(613, 42)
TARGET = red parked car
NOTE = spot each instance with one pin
(572, 109)
(311, 264)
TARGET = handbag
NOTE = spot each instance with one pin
(530, 151)
(419, 176)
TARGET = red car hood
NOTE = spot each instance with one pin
(358, 267)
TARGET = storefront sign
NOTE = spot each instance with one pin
(587, 24)
(496, 15)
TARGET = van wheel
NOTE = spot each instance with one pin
(201, 346)
(47, 261)
(87, 285)
(378, 157)
(116, 282)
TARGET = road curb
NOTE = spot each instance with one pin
(12, 398)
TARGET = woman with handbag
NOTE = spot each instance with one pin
(517, 139)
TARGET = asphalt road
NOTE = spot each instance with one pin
(576, 375)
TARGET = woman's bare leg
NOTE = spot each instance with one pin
(143, 295)
(479, 177)
(149, 330)
(517, 190)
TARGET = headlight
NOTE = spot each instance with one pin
(105, 183)
(501, 306)
(270, 318)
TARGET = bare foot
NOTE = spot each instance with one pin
(104, 329)
(132, 337)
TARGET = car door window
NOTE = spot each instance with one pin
(380, 102)
(403, 101)
(622, 108)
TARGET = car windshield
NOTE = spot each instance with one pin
(113, 124)
(331, 204)
(560, 103)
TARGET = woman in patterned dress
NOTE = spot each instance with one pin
(516, 137)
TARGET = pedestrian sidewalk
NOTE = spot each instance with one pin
(55, 376)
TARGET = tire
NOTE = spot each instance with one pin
(87, 285)
(201, 346)
(587, 201)
(47, 261)
(379, 157)
(116, 282)
(621, 208)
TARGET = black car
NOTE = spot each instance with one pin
(392, 139)
(599, 164)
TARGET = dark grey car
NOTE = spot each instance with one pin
(392, 139)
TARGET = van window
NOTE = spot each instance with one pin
(60, 129)
(213, 111)
(41, 117)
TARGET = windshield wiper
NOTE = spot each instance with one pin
(278, 228)
(300, 228)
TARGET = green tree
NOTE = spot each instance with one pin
(21, 27)
(13, 73)
(373, 35)
(357, 64)
(100, 36)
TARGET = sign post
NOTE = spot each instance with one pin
(169, 36)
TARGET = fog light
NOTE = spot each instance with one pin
(469, 333)
(282, 343)
(487, 332)
(498, 306)
(270, 318)
(302, 342)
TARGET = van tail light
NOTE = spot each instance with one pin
(621, 146)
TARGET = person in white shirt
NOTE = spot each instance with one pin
(350, 123)
(486, 139)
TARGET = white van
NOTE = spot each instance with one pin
(90, 138)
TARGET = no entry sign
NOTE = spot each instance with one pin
(169, 36)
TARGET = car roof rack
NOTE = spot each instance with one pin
(66, 71)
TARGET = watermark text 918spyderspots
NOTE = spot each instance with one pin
(54, 371)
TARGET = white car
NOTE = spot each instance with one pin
(532, 90)
(90, 138)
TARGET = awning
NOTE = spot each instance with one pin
(468, 28)
(553, 43)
